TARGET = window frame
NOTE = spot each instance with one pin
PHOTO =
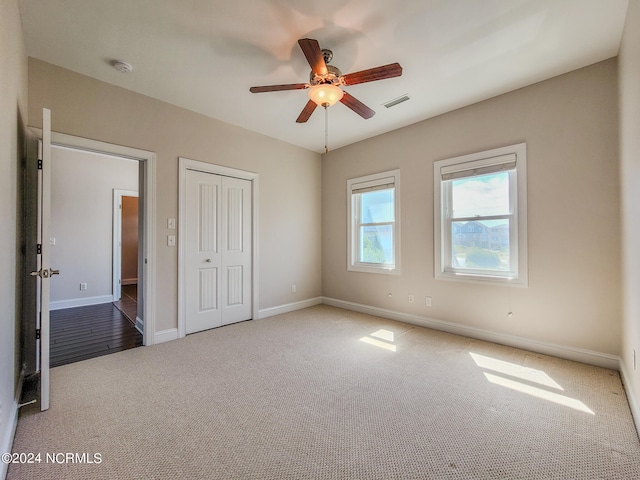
(512, 159)
(370, 183)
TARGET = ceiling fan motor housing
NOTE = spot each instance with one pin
(333, 76)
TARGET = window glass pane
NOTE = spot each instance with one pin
(483, 245)
(377, 206)
(481, 196)
(376, 244)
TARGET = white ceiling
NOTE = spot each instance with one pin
(204, 55)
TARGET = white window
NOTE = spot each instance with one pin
(374, 223)
(480, 216)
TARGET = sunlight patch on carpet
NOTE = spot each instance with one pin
(522, 378)
(381, 338)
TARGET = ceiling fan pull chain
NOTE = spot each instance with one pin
(326, 128)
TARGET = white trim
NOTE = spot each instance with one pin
(139, 325)
(518, 276)
(167, 335)
(562, 351)
(149, 199)
(355, 186)
(7, 436)
(634, 406)
(187, 164)
(116, 243)
(289, 307)
(80, 302)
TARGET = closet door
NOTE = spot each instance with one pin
(236, 250)
(218, 250)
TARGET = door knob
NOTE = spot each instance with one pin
(45, 273)
(208, 260)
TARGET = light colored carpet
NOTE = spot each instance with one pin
(325, 393)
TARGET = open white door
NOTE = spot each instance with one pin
(44, 273)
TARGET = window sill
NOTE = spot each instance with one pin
(483, 279)
(380, 270)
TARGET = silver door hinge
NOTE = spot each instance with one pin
(37, 334)
(39, 164)
(39, 249)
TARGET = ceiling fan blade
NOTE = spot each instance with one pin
(306, 111)
(277, 88)
(311, 50)
(357, 106)
(372, 74)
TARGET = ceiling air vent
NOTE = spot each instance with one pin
(396, 101)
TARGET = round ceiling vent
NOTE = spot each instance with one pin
(122, 67)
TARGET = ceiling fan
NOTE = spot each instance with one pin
(325, 82)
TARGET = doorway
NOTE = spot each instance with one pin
(84, 322)
(145, 164)
(126, 247)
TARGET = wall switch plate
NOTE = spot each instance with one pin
(52, 241)
(171, 223)
(83, 286)
(427, 301)
(294, 289)
(171, 240)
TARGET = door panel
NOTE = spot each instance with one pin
(217, 250)
(202, 254)
(44, 272)
(236, 249)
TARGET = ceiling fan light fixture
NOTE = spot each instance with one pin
(325, 94)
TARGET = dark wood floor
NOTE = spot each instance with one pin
(85, 332)
(128, 303)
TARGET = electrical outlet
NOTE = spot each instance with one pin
(427, 301)
(83, 286)
(171, 223)
(171, 240)
(294, 289)
(411, 298)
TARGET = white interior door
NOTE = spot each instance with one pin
(236, 250)
(217, 250)
(44, 273)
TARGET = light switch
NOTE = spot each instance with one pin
(171, 223)
(171, 240)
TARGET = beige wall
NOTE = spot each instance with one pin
(13, 116)
(630, 177)
(82, 187)
(570, 125)
(289, 210)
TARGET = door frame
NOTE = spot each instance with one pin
(116, 245)
(147, 181)
(188, 164)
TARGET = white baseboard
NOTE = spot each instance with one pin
(7, 434)
(570, 353)
(165, 335)
(129, 281)
(80, 302)
(139, 325)
(631, 397)
(289, 307)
